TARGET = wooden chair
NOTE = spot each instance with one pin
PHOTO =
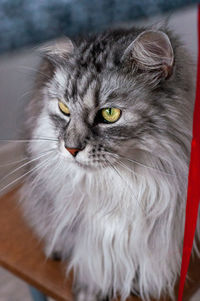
(21, 253)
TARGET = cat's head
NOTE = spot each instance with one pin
(111, 97)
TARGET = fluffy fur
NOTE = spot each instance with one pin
(116, 211)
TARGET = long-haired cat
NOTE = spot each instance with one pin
(110, 130)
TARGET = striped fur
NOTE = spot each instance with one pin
(116, 211)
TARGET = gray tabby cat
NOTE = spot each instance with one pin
(110, 128)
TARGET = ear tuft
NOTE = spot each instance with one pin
(57, 51)
(152, 51)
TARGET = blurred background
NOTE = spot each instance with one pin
(24, 25)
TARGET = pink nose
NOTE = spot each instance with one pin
(73, 151)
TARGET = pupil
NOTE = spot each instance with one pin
(110, 111)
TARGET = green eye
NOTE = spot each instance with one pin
(111, 114)
(64, 108)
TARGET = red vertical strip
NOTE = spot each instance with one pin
(193, 194)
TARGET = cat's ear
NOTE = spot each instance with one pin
(151, 51)
(57, 51)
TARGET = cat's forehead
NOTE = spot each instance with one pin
(89, 88)
(72, 87)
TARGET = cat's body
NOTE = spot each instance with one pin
(116, 209)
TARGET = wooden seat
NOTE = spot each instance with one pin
(21, 253)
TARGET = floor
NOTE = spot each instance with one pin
(13, 288)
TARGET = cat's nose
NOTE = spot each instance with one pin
(73, 151)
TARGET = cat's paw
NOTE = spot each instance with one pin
(56, 256)
(83, 295)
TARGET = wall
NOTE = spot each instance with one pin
(17, 73)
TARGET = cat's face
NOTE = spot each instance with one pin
(103, 119)
(104, 105)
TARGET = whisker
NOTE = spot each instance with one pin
(150, 167)
(14, 162)
(24, 94)
(117, 156)
(35, 70)
(29, 140)
(47, 138)
(36, 167)
(127, 168)
(116, 170)
(25, 164)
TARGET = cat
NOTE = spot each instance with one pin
(110, 126)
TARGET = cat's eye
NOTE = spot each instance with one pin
(63, 108)
(111, 115)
